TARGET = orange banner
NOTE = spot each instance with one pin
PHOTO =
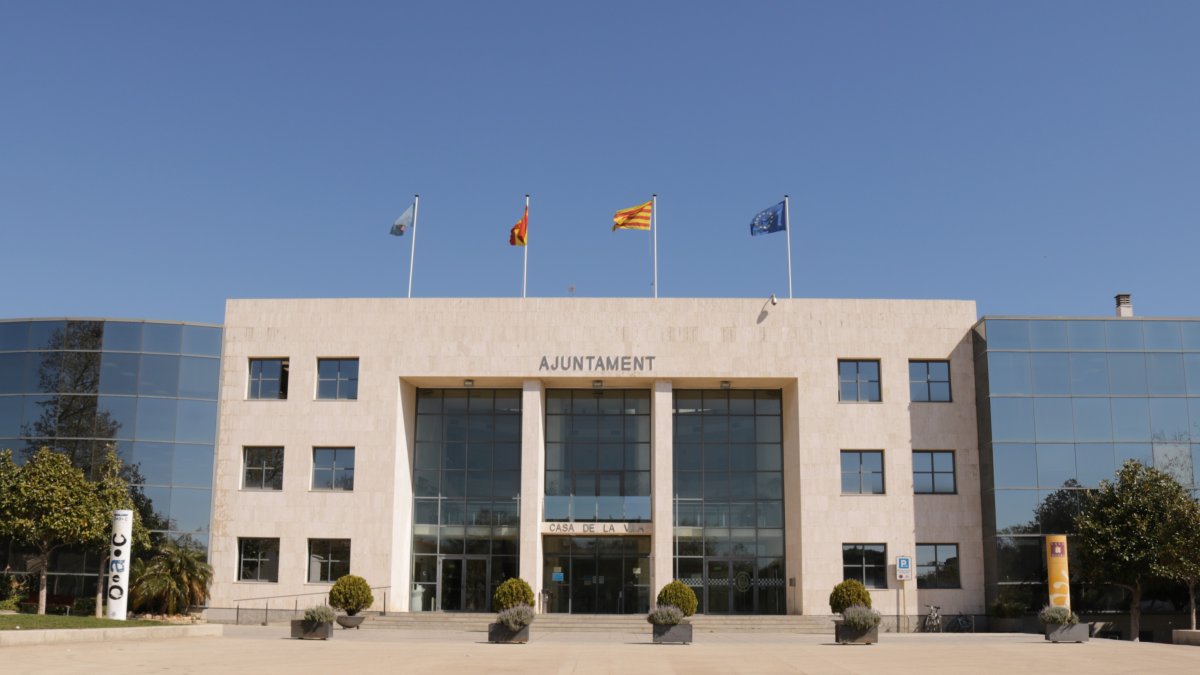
(1056, 566)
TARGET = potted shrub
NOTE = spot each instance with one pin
(1006, 615)
(675, 602)
(859, 626)
(513, 602)
(317, 624)
(851, 593)
(1062, 625)
(352, 594)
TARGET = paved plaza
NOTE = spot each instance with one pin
(258, 649)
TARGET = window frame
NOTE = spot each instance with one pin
(333, 470)
(861, 473)
(939, 566)
(325, 565)
(928, 382)
(862, 566)
(255, 382)
(934, 473)
(860, 382)
(259, 562)
(339, 382)
(260, 485)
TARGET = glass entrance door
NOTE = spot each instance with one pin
(729, 586)
(463, 584)
(597, 575)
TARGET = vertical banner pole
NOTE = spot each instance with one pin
(787, 225)
(413, 256)
(654, 238)
(525, 269)
(1059, 576)
(118, 564)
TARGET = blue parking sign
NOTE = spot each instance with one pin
(903, 568)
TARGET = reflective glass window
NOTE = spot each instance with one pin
(929, 380)
(1127, 374)
(159, 375)
(1169, 420)
(1051, 373)
(859, 381)
(866, 563)
(156, 419)
(1124, 335)
(196, 422)
(1094, 462)
(338, 379)
(1174, 459)
(933, 472)
(202, 340)
(1093, 419)
(1056, 464)
(1165, 374)
(1140, 452)
(1009, 373)
(152, 463)
(1012, 419)
(1048, 334)
(1194, 414)
(258, 560)
(862, 472)
(268, 378)
(47, 334)
(1191, 335)
(937, 565)
(119, 373)
(162, 338)
(1053, 419)
(1015, 511)
(10, 416)
(1007, 334)
(198, 377)
(122, 336)
(12, 373)
(1162, 335)
(1086, 335)
(1191, 366)
(1020, 559)
(193, 466)
(14, 335)
(1014, 465)
(116, 416)
(190, 509)
(328, 560)
(333, 469)
(1131, 419)
(1089, 374)
(43, 372)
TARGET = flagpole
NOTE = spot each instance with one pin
(787, 221)
(525, 269)
(413, 256)
(654, 238)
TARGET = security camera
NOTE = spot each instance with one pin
(774, 301)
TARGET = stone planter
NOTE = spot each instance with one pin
(1067, 632)
(680, 632)
(499, 633)
(312, 630)
(1007, 624)
(1186, 637)
(845, 635)
(348, 621)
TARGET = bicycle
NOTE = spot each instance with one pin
(961, 623)
(933, 620)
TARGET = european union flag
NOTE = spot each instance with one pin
(772, 219)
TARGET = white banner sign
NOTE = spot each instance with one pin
(119, 563)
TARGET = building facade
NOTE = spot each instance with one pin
(598, 448)
(147, 390)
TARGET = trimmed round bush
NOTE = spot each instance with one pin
(678, 594)
(847, 594)
(351, 593)
(512, 593)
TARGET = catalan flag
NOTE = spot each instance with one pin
(634, 217)
(518, 235)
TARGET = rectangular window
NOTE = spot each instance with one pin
(268, 378)
(929, 381)
(263, 468)
(328, 560)
(258, 560)
(866, 563)
(862, 472)
(337, 379)
(937, 566)
(858, 381)
(333, 469)
(933, 472)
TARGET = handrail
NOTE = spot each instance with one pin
(301, 595)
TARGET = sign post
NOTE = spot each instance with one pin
(903, 573)
(118, 564)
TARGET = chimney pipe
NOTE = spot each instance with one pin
(1124, 305)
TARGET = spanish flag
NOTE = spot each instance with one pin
(518, 235)
(633, 218)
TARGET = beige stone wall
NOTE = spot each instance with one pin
(404, 344)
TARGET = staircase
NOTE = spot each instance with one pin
(601, 623)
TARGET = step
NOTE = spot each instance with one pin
(636, 623)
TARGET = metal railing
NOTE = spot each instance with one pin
(278, 608)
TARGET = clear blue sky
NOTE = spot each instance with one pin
(159, 157)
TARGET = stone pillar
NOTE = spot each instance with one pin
(662, 549)
(533, 469)
(792, 514)
(402, 501)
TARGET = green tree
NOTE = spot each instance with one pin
(47, 504)
(1182, 553)
(1125, 531)
(175, 578)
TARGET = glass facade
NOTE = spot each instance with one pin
(1062, 404)
(597, 455)
(728, 459)
(146, 390)
(466, 484)
(598, 575)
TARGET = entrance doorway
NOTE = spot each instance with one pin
(597, 575)
(729, 586)
(464, 584)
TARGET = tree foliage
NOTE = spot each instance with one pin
(351, 593)
(175, 578)
(1124, 531)
(1181, 558)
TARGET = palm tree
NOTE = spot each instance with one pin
(177, 577)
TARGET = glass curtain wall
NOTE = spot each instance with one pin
(467, 478)
(728, 508)
(598, 575)
(147, 391)
(597, 455)
(1062, 405)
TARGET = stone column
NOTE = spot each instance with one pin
(402, 501)
(792, 514)
(533, 459)
(662, 550)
